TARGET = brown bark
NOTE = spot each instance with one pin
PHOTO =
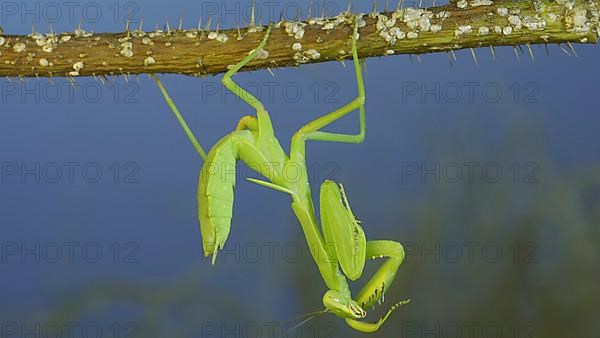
(480, 23)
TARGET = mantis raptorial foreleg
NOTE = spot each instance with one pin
(382, 279)
(374, 290)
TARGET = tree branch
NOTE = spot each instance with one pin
(459, 25)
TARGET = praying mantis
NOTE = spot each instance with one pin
(253, 141)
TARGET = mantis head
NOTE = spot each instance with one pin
(342, 305)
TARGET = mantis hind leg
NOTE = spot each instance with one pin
(180, 118)
(264, 122)
(375, 289)
(311, 130)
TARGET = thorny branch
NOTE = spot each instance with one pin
(459, 25)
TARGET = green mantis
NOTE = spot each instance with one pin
(253, 141)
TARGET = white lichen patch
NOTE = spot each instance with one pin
(442, 15)
(417, 19)
(74, 73)
(533, 23)
(463, 30)
(77, 66)
(477, 3)
(147, 41)
(328, 26)
(386, 26)
(387, 37)
(361, 22)
(138, 33)
(579, 20)
(44, 62)
(483, 30)
(412, 35)
(126, 53)
(36, 36)
(212, 35)
(306, 56)
(80, 33)
(397, 33)
(126, 48)
(313, 54)
(568, 4)
(2, 41)
(191, 34)
(156, 33)
(329, 23)
(462, 4)
(515, 21)
(41, 41)
(498, 29)
(48, 42)
(295, 29)
(436, 28)
(261, 55)
(65, 38)
(507, 30)
(502, 11)
(297, 46)
(552, 17)
(19, 47)
(222, 37)
(149, 61)
(389, 52)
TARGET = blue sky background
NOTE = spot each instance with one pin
(144, 204)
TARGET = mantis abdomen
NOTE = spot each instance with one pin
(215, 194)
(216, 183)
